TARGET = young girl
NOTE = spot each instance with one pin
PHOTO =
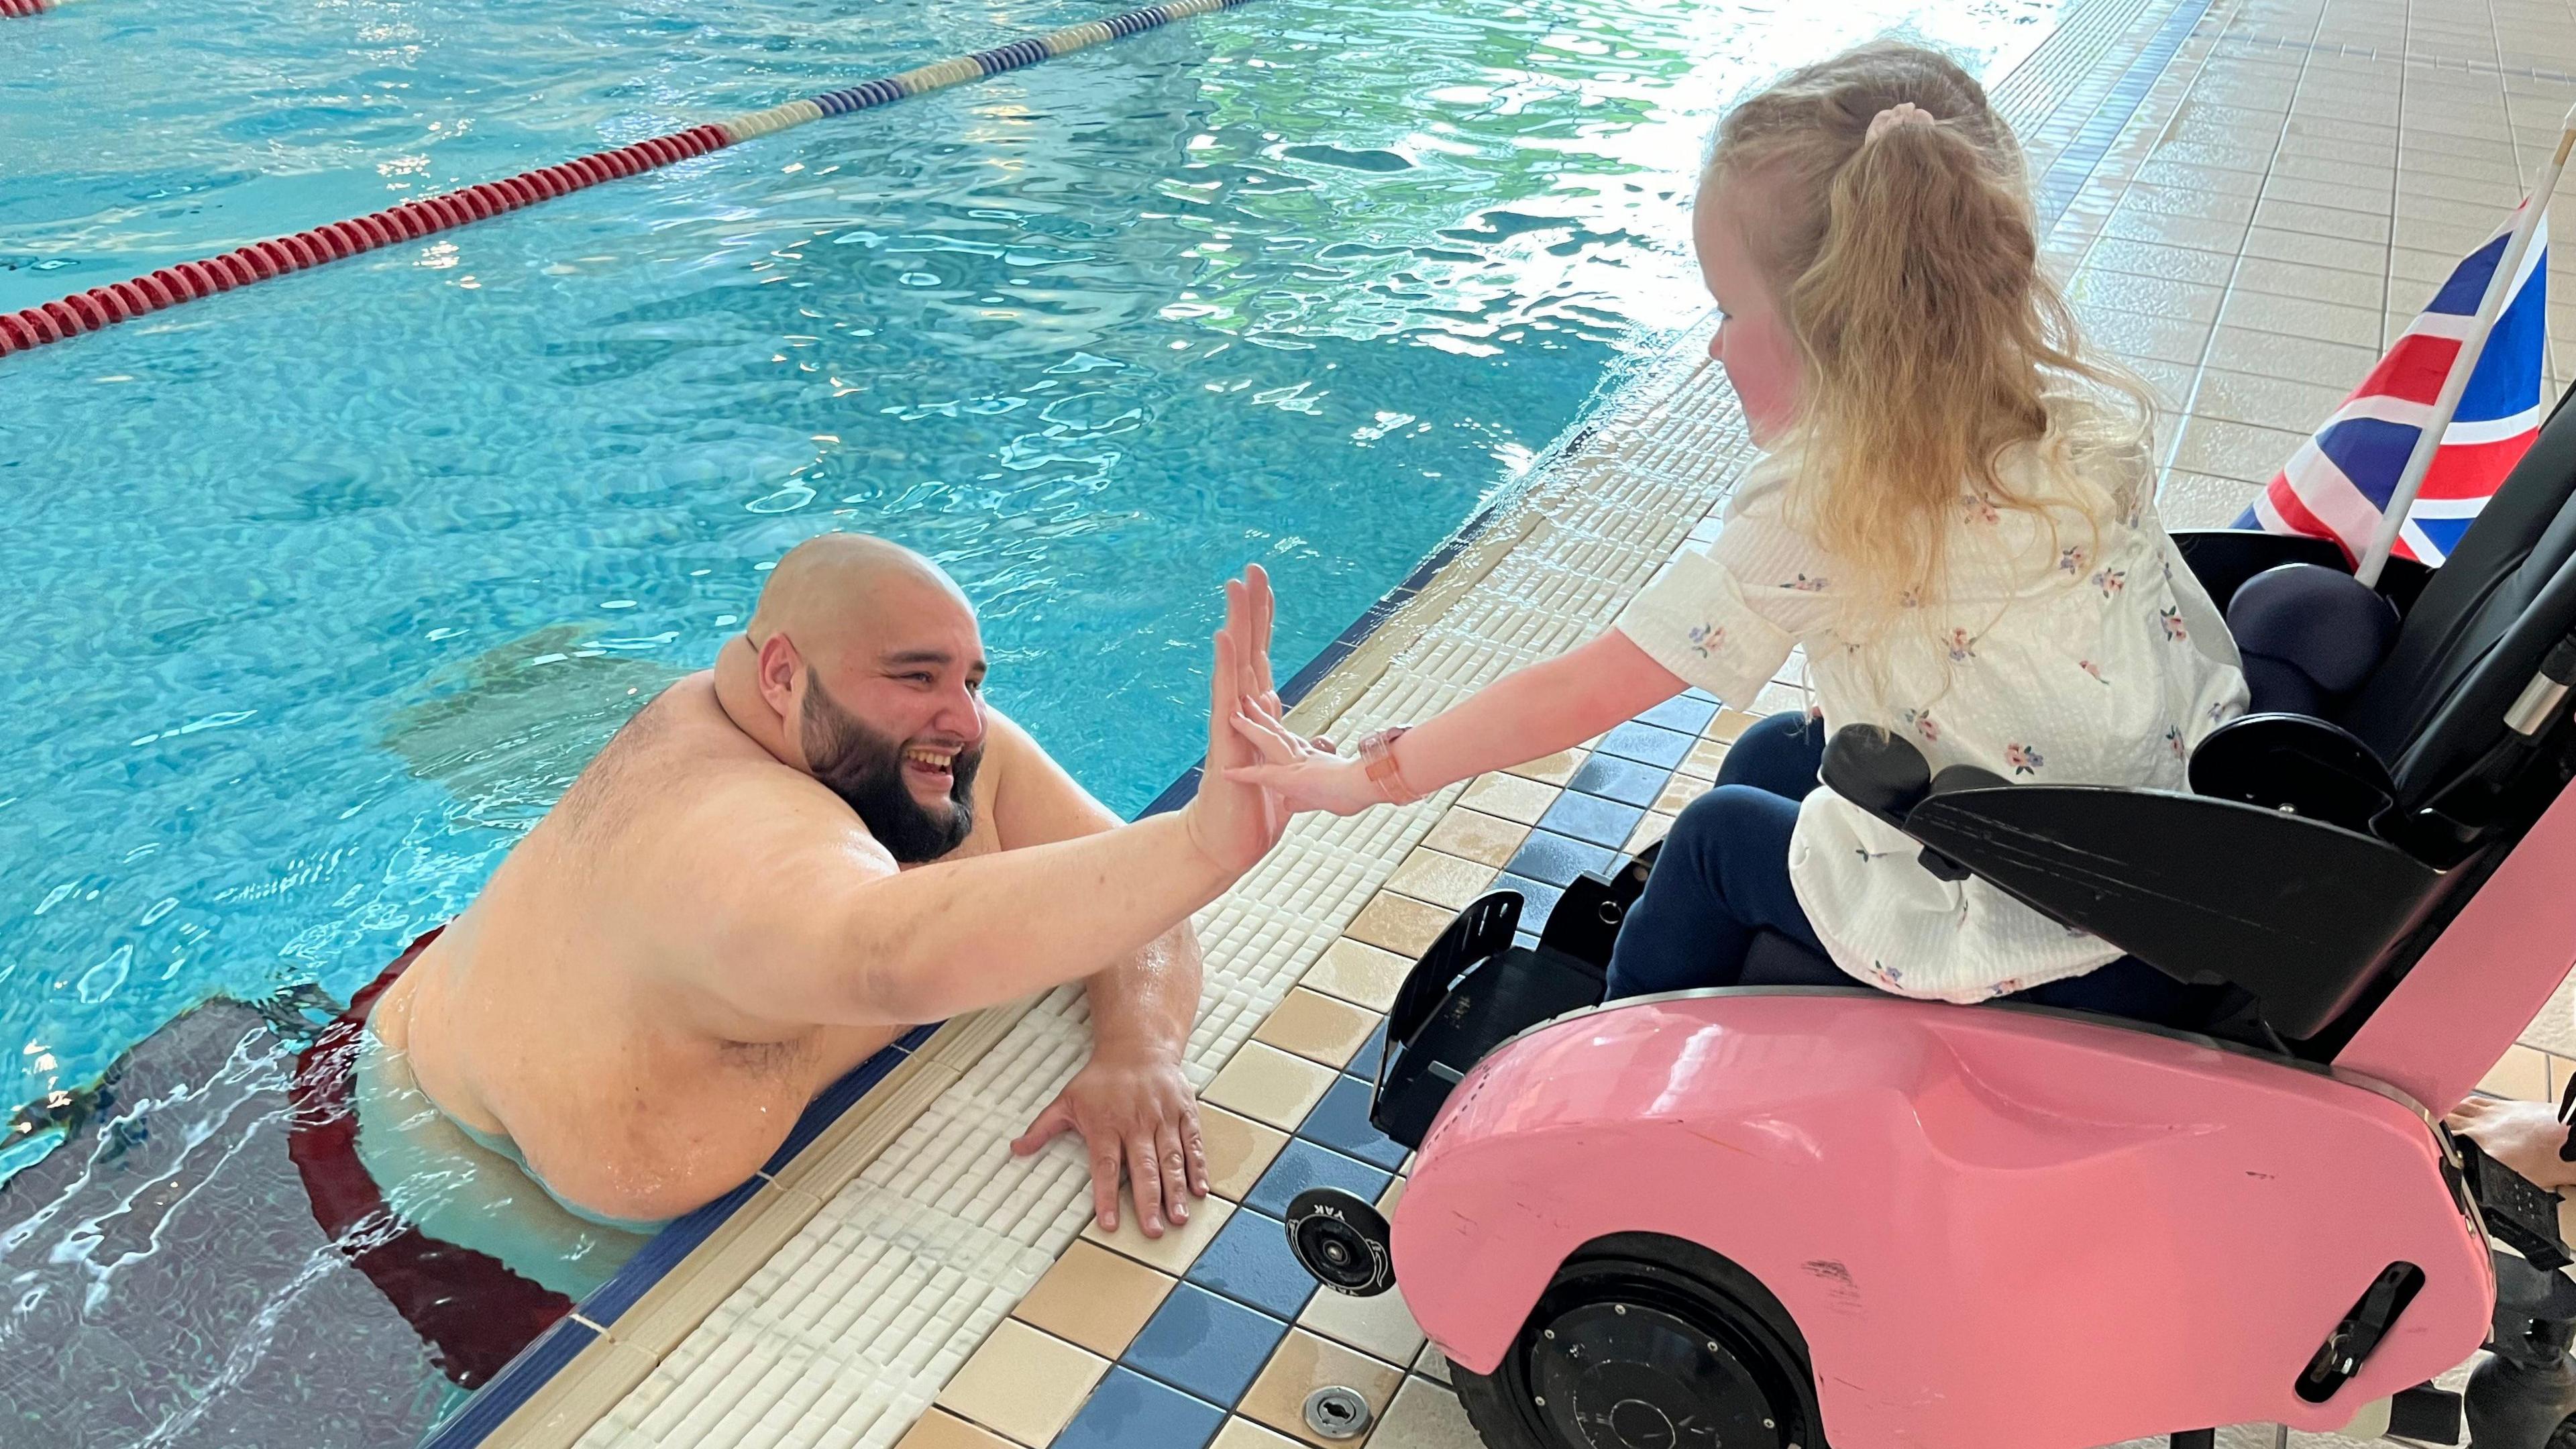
(1955, 522)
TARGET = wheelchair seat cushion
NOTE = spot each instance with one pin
(2127, 988)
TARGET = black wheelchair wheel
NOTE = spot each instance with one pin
(1648, 1343)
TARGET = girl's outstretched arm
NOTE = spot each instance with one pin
(1525, 715)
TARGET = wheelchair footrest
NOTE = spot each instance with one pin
(1491, 1002)
(2520, 1214)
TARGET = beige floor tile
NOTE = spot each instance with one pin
(1728, 725)
(2323, 284)
(1399, 923)
(1394, 1194)
(1381, 1327)
(2559, 1070)
(1425, 1415)
(2324, 221)
(1451, 881)
(1024, 1383)
(2523, 1075)
(2152, 296)
(1704, 758)
(2269, 402)
(1268, 1085)
(2170, 381)
(1474, 835)
(1359, 973)
(2135, 334)
(1176, 1249)
(1095, 1299)
(1553, 769)
(1305, 1363)
(1510, 797)
(1680, 791)
(2153, 259)
(1317, 1027)
(1245, 1434)
(2277, 244)
(2135, 224)
(1652, 827)
(2271, 354)
(1238, 1149)
(946, 1431)
(2196, 500)
(1431, 1365)
(2234, 450)
(2303, 317)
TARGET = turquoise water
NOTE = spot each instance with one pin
(318, 593)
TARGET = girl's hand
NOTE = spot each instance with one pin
(1303, 774)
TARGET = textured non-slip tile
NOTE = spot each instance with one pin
(2154, 259)
(1399, 924)
(1269, 1085)
(1250, 1263)
(2303, 317)
(1474, 835)
(1206, 1344)
(2270, 402)
(1176, 1249)
(1341, 1122)
(1304, 1165)
(2235, 450)
(1095, 1299)
(1631, 782)
(1589, 817)
(1024, 1383)
(1509, 796)
(1425, 1415)
(1557, 859)
(1130, 1411)
(2196, 500)
(1305, 1363)
(2160, 297)
(1381, 1326)
(1238, 1149)
(1449, 881)
(1317, 1027)
(2273, 354)
(1358, 972)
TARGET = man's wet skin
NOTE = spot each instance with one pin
(782, 863)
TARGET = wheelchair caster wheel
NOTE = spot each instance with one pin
(1342, 1240)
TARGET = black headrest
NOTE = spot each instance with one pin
(2501, 600)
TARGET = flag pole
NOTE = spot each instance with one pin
(2499, 290)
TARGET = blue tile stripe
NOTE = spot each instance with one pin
(514, 1385)
(2065, 177)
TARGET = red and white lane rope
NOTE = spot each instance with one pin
(68, 317)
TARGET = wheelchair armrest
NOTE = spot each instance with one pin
(2294, 762)
(2297, 911)
(1885, 775)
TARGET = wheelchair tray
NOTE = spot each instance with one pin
(1471, 992)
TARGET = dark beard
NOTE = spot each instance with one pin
(865, 769)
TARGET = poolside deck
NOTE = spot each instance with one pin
(2249, 197)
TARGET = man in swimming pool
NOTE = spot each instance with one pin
(782, 863)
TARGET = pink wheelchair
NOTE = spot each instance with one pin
(1794, 1218)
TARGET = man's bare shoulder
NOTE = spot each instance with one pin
(681, 782)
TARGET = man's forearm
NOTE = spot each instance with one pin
(966, 934)
(1145, 1005)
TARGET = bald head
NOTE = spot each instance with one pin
(837, 589)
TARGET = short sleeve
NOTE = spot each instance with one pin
(1694, 620)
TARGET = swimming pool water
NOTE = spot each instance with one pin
(318, 593)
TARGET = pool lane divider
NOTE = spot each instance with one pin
(99, 307)
(12, 9)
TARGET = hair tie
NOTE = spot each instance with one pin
(1903, 113)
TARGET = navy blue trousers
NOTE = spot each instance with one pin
(1723, 877)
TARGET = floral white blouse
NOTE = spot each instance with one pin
(2059, 656)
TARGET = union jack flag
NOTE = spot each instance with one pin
(2340, 480)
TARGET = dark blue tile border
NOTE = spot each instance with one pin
(554, 1348)
(1130, 1411)
(1205, 1344)
(514, 1385)
(2058, 186)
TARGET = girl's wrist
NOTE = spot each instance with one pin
(1378, 763)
